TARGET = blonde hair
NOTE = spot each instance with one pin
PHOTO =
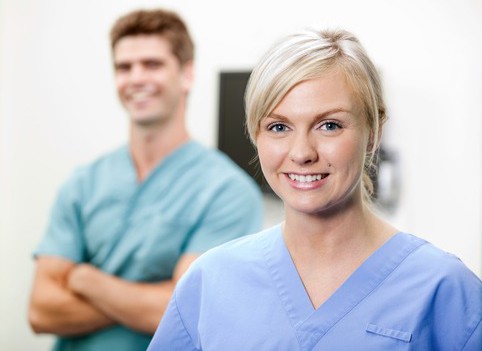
(311, 54)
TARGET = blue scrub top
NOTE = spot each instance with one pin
(195, 199)
(247, 295)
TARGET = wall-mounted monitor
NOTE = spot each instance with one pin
(232, 137)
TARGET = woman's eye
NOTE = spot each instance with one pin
(278, 128)
(330, 126)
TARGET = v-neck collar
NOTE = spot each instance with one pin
(184, 153)
(311, 325)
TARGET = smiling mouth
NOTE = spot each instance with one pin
(140, 96)
(307, 178)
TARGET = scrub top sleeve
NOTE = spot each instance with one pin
(475, 341)
(234, 210)
(457, 306)
(171, 334)
(64, 232)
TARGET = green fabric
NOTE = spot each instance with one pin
(197, 198)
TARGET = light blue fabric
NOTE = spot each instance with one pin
(195, 199)
(247, 295)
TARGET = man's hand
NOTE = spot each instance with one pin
(82, 277)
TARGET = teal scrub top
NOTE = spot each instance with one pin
(197, 198)
(247, 295)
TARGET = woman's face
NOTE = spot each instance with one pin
(312, 146)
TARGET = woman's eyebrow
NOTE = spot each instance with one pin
(277, 116)
(317, 116)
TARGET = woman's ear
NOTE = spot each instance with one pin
(374, 140)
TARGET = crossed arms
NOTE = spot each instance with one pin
(74, 299)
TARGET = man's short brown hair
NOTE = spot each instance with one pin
(158, 22)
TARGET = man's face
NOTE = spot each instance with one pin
(151, 83)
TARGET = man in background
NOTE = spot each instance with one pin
(126, 227)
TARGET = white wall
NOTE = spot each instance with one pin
(58, 108)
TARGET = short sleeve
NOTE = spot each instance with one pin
(63, 236)
(475, 341)
(234, 210)
(171, 334)
(457, 307)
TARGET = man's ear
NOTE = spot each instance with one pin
(187, 71)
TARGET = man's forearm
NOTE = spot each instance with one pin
(69, 317)
(139, 306)
(54, 309)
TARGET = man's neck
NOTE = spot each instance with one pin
(150, 145)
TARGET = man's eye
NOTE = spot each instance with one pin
(153, 64)
(277, 128)
(122, 68)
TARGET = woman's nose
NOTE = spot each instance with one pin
(303, 150)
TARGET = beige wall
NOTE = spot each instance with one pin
(58, 109)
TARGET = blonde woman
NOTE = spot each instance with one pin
(333, 275)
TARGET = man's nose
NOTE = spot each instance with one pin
(137, 74)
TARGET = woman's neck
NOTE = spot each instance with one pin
(354, 230)
(326, 250)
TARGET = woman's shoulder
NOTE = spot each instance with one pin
(233, 258)
(243, 250)
(226, 264)
(439, 260)
(440, 268)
